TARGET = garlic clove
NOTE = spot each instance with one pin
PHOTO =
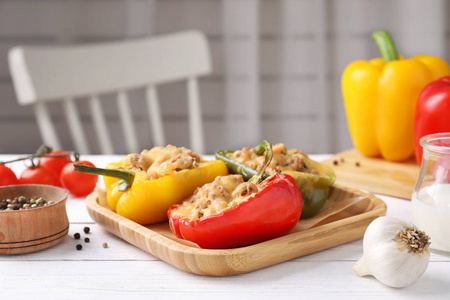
(395, 253)
(361, 267)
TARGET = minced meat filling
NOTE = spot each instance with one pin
(283, 159)
(215, 197)
(162, 161)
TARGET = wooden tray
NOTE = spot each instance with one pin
(344, 218)
(375, 175)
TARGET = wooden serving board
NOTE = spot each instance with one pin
(375, 175)
(344, 218)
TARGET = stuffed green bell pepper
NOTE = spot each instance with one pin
(313, 178)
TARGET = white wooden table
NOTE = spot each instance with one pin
(123, 271)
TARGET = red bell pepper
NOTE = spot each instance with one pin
(269, 213)
(432, 112)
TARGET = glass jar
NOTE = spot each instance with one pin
(431, 197)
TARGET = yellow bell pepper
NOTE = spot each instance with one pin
(380, 98)
(147, 201)
(142, 187)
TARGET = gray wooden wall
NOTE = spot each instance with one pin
(277, 63)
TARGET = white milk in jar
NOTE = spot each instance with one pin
(431, 198)
(431, 213)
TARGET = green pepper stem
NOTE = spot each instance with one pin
(235, 167)
(386, 45)
(126, 177)
(264, 148)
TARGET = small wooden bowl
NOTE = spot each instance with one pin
(31, 230)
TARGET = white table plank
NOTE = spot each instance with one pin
(134, 280)
(118, 250)
(122, 271)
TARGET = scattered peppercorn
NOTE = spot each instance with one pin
(335, 162)
(87, 240)
(76, 236)
(79, 247)
(357, 164)
(105, 245)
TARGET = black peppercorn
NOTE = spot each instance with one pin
(76, 236)
(86, 229)
(87, 240)
(79, 247)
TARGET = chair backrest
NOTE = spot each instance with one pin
(44, 74)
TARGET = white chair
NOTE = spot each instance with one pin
(44, 74)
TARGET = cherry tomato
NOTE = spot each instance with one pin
(55, 163)
(77, 183)
(39, 175)
(7, 176)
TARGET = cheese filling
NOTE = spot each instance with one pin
(216, 197)
(162, 161)
(282, 160)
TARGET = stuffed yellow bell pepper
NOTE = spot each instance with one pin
(143, 186)
(380, 99)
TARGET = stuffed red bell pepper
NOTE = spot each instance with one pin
(230, 212)
(432, 112)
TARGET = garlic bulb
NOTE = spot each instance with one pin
(394, 252)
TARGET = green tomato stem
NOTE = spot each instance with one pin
(43, 152)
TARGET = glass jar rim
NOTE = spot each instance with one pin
(429, 142)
